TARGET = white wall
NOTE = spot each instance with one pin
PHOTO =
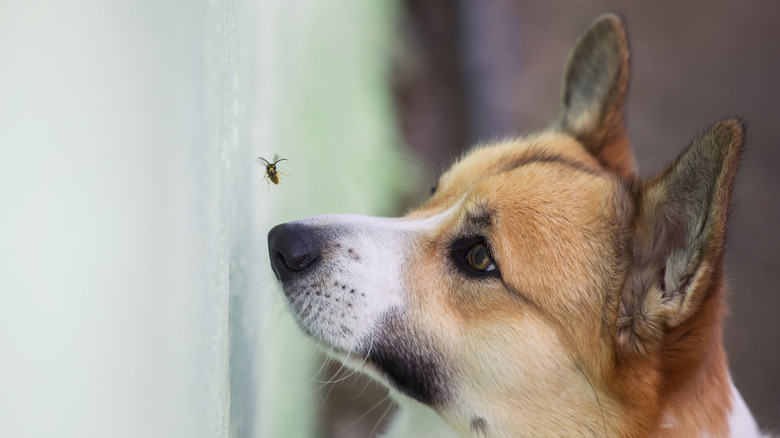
(112, 308)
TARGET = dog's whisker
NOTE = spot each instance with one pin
(362, 365)
(368, 351)
(384, 414)
(325, 361)
(328, 381)
(462, 197)
(333, 380)
(426, 164)
(341, 367)
(340, 379)
(365, 386)
(593, 388)
(364, 414)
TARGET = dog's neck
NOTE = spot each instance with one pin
(684, 388)
(696, 396)
(417, 420)
(706, 405)
(693, 391)
(691, 396)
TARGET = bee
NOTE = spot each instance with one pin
(270, 171)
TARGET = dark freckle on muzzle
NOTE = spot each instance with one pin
(353, 254)
(479, 426)
(412, 365)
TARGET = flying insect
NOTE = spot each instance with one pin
(271, 173)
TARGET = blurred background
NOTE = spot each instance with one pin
(136, 297)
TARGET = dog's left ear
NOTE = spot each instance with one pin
(595, 85)
(679, 238)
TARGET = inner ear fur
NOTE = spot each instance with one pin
(595, 85)
(679, 234)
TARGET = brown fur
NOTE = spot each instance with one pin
(604, 314)
(583, 246)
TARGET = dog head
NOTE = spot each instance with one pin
(542, 285)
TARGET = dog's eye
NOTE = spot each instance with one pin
(471, 256)
(433, 189)
(479, 258)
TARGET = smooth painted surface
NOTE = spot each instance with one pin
(136, 297)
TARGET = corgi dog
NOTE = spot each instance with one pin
(544, 289)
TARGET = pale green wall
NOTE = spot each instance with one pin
(137, 298)
(321, 99)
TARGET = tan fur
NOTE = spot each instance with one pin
(548, 225)
(605, 318)
(554, 232)
(561, 236)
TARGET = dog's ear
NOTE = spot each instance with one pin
(595, 84)
(679, 238)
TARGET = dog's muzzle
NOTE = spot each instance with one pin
(293, 249)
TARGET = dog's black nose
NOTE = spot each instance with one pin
(293, 248)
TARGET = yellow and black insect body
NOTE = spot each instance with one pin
(271, 172)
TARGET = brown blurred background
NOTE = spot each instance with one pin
(476, 70)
